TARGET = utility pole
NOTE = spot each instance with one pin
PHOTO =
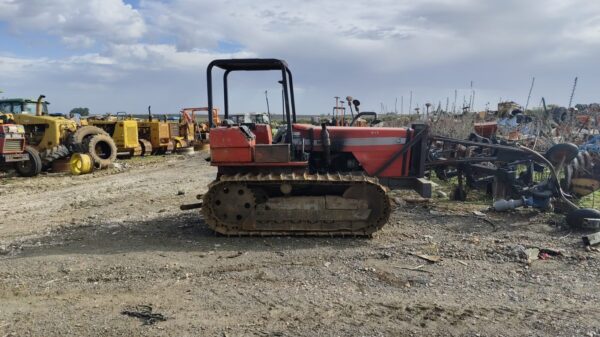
(402, 105)
(447, 103)
(410, 103)
(396, 106)
(530, 90)
(472, 98)
(572, 93)
(473, 101)
(454, 105)
(267, 99)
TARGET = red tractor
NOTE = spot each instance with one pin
(315, 180)
(14, 153)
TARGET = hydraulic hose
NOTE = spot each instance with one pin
(554, 174)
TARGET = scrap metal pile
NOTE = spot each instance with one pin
(498, 158)
(330, 179)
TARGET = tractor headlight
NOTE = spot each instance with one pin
(20, 129)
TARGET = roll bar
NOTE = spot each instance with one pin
(229, 65)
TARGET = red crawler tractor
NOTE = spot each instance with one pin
(315, 180)
(333, 180)
(14, 153)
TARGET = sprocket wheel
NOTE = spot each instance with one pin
(233, 204)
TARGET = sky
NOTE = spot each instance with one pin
(116, 55)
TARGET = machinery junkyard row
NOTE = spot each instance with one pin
(35, 140)
(332, 177)
(443, 212)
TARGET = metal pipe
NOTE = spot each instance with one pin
(289, 73)
(554, 175)
(335, 110)
(225, 94)
(289, 136)
(190, 206)
(326, 144)
(209, 93)
(38, 105)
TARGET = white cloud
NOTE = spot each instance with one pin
(91, 59)
(164, 56)
(586, 31)
(375, 50)
(78, 23)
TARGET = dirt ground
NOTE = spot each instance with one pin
(75, 252)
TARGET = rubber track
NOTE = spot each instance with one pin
(308, 179)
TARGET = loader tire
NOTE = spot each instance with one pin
(146, 147)
(102, 149)
(52, 154)
(78, 138)
(31, 167)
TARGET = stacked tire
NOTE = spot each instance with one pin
(95, 142)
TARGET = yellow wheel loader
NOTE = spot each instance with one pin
(54, 136)
(154, 136)
(123, 130)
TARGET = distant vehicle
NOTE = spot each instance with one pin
(14, 153)
(55, 137)
(251, 117)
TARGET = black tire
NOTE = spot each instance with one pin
(564, 152)
(54, 153)
(588, 161)
(78, 138)
(459, 194)
(31, 167)
(575, 218)
(146, 147)
(102, 149)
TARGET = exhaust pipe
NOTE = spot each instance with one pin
(326, 145)
(38, 105)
